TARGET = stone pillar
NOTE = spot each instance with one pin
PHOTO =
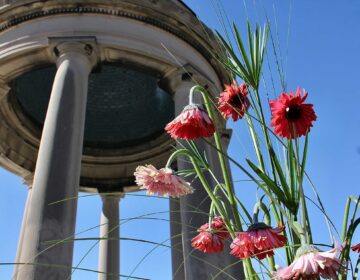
(109, 247)
(177, 256)
(194, 209)
(52, 207)
(22, 232)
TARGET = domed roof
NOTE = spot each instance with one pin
(173, 16)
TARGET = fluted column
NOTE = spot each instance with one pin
(52, 207)
(109, 246)
(194, 209)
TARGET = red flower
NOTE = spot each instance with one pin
(208, 242)
(356, 248)
(233, 101)
(211, 239)
(259, 241)
(290, 116)
(192, 123)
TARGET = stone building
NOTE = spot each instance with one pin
(77, 79)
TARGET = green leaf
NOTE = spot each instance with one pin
(256, 52)
(303, 163)
(242, 49)
(244, 74)
(263, 45)
(280, 172)
(298, 227)
(244, 209)
(251, 46)
(255, 141)
(269, 182)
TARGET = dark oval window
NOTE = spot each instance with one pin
(125, 107)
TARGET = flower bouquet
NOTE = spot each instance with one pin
(280, 219)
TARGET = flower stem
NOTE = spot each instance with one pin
(263, 125)
(212, 196)
(260, 205)
(223, 165)
(231, 195)
(345, 220)
(260, 115)
(305, 217)
(247, 263)
(176, 154)
(205, 184)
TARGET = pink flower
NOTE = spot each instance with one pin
(192, 123)
(356, 248)
(311, 263)
(162, 182)
(259, 241)
(211, 239)
(292, 118)
(233, 101)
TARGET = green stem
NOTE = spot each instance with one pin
(261, 117)
(266, 191)
(247, 263)
(345, 220)
(212, 196)
(289, 250)
(264, 128)
(305, 217)
(223, 165)
(260, 160)
(203, 182)
(175, 154)
(212, 207)
(250, 270)
(260, 205)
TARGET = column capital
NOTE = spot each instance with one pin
(85, 46)
(112, 196)
(186, 74)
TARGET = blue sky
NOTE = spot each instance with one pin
(323, 57)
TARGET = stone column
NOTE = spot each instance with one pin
(109, 247)
(177, 256)
(52, 208)
(22, 232)
(194, 209)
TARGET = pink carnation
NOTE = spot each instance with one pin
(162, 182)
(310, 263)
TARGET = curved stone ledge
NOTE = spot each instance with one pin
(173, 16)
